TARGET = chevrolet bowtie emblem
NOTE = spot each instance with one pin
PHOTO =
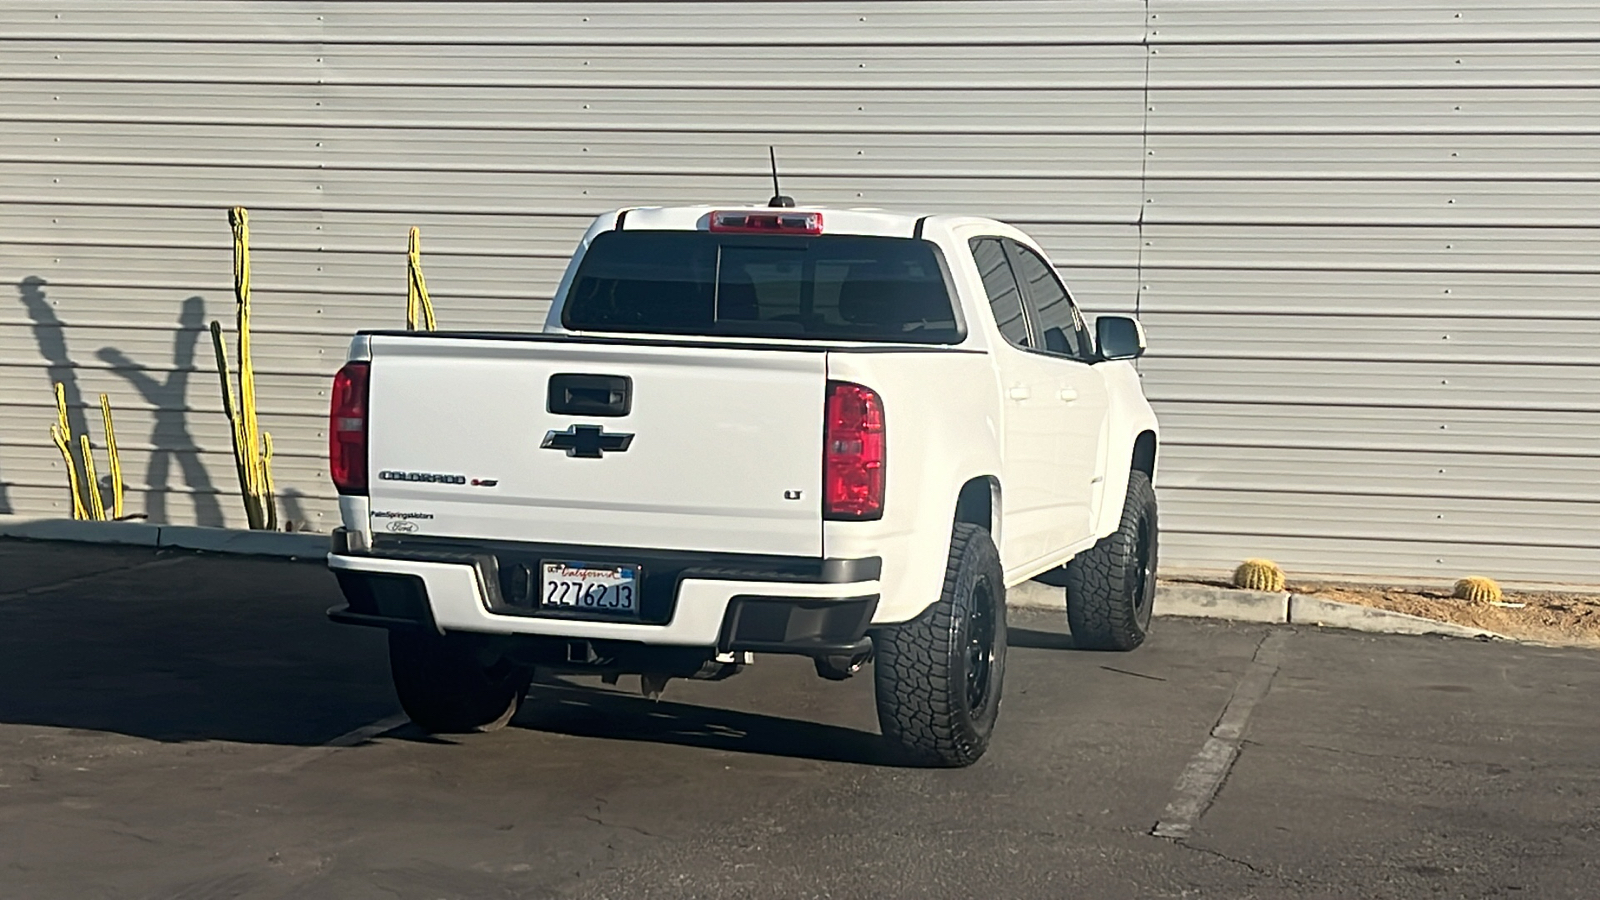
(588, 441)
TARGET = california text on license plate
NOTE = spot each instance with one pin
(580, 587)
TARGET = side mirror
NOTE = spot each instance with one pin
(1119, 337)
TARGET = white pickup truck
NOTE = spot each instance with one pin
(834, 433)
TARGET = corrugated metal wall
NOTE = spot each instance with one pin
(1362, 234)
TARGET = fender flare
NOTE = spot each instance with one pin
(1133, 443)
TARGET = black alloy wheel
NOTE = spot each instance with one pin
(980, 648)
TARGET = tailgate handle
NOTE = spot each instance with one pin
(590, 395)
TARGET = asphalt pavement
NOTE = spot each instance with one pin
(175, 725)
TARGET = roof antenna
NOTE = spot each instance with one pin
(778, 199)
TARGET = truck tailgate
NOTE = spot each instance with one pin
(720, 448)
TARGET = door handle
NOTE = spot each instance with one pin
(1020, 392)
(1067, 394)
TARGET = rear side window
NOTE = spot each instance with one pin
(1001, 285)
(828, 287)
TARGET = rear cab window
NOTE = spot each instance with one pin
(822, 287)
(1005, 297)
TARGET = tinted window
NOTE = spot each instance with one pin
(1001, 286)
(1054, 313)
(833, 287)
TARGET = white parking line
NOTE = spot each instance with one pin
(348, 739)
(1198, 784)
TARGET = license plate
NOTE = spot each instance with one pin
(585, 588)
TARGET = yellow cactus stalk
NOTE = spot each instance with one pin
(1477, 589)
(1258, 575)
(61, 411)
(61, 434)
(417, 299)
(240, 219)
(230, 404)
(266, 475)
(260, 507)
(63, 444)
(97, 504)
(113, 457)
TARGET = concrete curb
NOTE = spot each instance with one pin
(1034, 595)
(1190, 600)
(1200, 601)
(1304, 610)
(137, 534)
(258, 543)
(188, 537)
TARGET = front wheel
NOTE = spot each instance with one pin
(446, 686)
(1111, 587)
(938, 676)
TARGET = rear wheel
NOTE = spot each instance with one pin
(447, 684)
(938, 676)
(1111, 587)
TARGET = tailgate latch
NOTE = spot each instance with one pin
(571, 394)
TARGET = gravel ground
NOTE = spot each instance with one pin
(1548, 617)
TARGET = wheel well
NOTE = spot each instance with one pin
(976, 502)
(1144, 454)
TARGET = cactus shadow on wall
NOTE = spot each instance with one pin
(295, 517)
(170, 439)
(49, 332)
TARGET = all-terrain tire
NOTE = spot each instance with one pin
(938, 676)
(1111, 587)
(447, 688)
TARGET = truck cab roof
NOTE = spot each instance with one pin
(856, 221)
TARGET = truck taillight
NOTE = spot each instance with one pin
(347, 429)
(853, 453)
(767, 222)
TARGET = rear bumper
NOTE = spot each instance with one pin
(772, 605)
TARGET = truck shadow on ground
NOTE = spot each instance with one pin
(560, 707)
(182, 647)
(1038, 640)
(175, 647)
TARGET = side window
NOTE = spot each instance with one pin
(1001, 286)
(1057, 319)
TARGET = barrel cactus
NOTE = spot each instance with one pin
(1258, 575)
(1477, 589)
